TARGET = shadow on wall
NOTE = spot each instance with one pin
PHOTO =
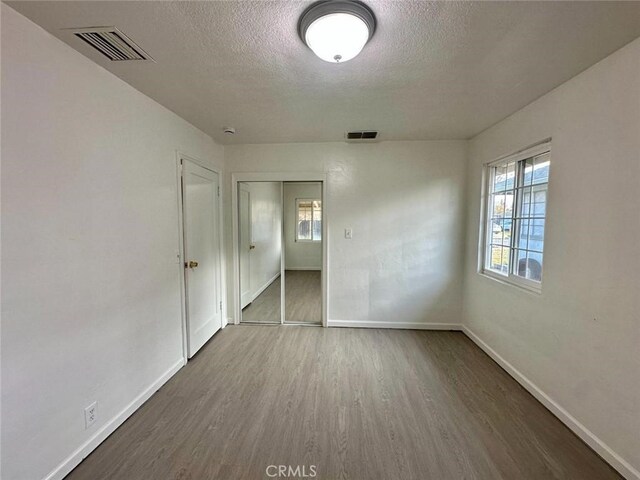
(404, 262)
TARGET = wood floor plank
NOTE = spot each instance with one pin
(359, 404)
(303, 296)
(265, 308)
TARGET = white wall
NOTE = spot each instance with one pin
(404, 202)
(266, 233)
(299, 255)
(91, 300)
(91, 307)
(579, 341)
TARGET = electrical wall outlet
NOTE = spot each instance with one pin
(348, 233)
(90, 415)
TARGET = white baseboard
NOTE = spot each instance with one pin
(317, 269)
(265, 286)
(85, 449)
(601, 448)
(399, 325)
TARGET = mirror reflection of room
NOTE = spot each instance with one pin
(303, 252)
(260, 245)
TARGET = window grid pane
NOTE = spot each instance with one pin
(516, 211)
(309, 220)
(541, 168)
(317, 220)
(501, 202)
(530, 218)
(305, 215)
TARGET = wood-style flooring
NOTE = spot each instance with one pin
(303, 297)
(303, 300)
(265, 308)
(360, 404)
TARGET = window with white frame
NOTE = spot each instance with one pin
(515, 212)
(308, 220)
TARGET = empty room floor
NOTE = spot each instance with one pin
(265, 308)
(356, 403)
(303, 296)
(303, 300)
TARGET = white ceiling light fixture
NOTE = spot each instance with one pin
(337, 30)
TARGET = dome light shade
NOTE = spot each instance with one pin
(336, 31)
(337, 37)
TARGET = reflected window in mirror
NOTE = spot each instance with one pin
(308, 220)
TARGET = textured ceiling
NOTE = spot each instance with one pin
(433, 70)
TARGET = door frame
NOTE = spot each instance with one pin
(180, 156)
(250, 230)
(279, 177)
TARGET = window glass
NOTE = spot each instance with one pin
(317, 220)
(516, 213)
(304, 220)
(309, 220)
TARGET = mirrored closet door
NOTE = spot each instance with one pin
(260, 248)
(302, 221)
(280, 252)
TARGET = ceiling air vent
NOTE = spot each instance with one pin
(112, 43)
(361, 135)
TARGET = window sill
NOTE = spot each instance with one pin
(534, 289)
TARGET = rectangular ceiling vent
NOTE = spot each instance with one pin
(112, 43)
(361, 135)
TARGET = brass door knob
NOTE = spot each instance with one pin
(251, 247)
(191, 264)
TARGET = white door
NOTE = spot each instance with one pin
(245, 243)
(201, 253)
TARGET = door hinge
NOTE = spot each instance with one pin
(218, 191)
(220, 306)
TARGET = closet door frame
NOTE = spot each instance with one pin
(237, 178)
